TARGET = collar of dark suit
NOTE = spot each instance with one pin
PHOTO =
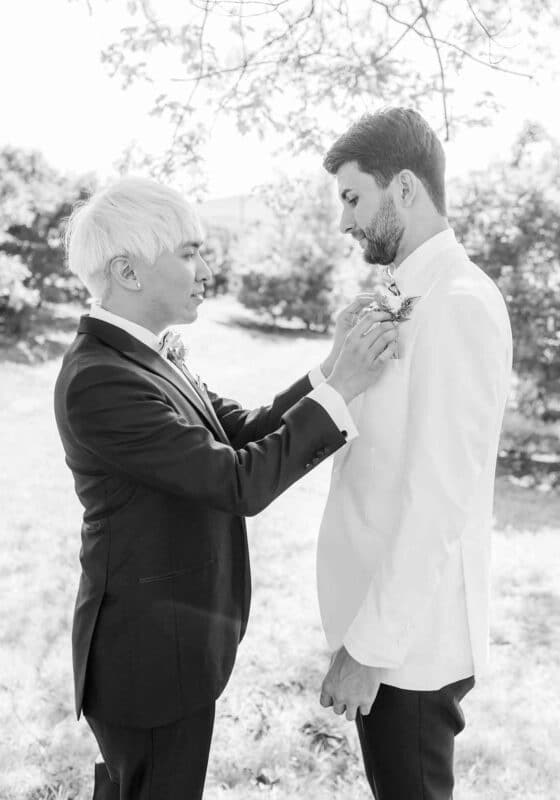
(142, 354)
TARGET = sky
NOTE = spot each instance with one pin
(57, 96)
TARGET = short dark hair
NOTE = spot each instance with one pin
(389, 141)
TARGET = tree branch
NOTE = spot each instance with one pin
(451, 45)
(409, 27)
(424, 16)
(271, 7)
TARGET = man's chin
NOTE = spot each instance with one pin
(190, 317)
(185, 317)
(381, 259)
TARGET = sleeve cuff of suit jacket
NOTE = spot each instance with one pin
(335, 407)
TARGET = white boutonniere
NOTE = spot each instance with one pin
(397, 305)
(388, 298)
(173, 347)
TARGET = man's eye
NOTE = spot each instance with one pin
(353, 201)
(188, 254)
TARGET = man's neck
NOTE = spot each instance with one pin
(412, 239)
(132, 315)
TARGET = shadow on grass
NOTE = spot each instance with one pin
(541, 622)
(53, 327)
(257, 328)
(524, 509)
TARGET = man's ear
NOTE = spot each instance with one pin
(407, 187)
(123, 273)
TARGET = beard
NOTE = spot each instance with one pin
(383, 235)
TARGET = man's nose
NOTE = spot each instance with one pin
(203, 271)
(346, 221)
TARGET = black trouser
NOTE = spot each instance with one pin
(408, 739)
(165, 763)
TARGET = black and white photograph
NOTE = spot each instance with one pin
(280, 400)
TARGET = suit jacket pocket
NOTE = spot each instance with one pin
(175, 573)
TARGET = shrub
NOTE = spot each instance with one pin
(217, 252)
(17, 300)
(509, 221)
(294, 277)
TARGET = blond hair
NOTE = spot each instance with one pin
(132, 217)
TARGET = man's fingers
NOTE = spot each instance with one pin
(377, 331)
(380, 343)
(339, 708)
(391, 351)
(365, 709)
(351, 713)
(369, 319)
(373, 320)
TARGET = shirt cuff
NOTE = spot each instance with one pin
(368, 657)
(337, 409)
(316, 377)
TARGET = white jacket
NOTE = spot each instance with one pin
(404, 548)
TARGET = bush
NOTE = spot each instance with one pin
(217, 252)
(35, 200)
(296, 294)
(299, 255)
(17, 300)
(509, 221)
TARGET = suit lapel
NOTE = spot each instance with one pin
(146, 357)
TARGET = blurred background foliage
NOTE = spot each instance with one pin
(303, 70)
(290, 265)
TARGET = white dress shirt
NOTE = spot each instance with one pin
(403, 553)
(321, 392)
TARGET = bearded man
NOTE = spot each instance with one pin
(404, 548)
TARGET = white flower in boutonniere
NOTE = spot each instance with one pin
(397, 305)
(390, 300)
(172, 346)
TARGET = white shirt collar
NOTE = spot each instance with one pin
(417, 271)
(144, 335)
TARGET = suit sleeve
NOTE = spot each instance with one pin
(124, 420)
(243, 426)
(458, 382)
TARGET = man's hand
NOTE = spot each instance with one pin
(368, 345)
(349, 686)
(345, 321)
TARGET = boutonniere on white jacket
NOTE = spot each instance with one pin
(389, 299)
(398, 306)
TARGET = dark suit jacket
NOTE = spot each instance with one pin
(165, 482)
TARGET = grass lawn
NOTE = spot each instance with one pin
(272, 737)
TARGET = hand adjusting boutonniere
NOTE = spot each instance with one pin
(399, 307)
(388, 298)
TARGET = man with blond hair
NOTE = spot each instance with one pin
(166, 471)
